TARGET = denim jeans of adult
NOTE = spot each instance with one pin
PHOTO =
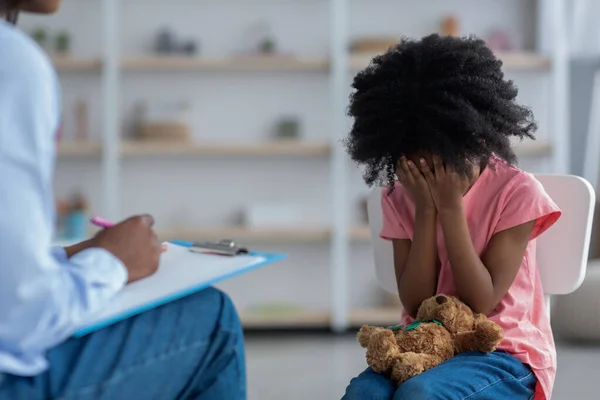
(468, 376)
(192, 348)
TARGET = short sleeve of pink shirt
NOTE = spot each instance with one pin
(526, 200)
(393, 223)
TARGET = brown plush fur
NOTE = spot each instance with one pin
(404, 354)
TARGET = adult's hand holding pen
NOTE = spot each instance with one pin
(132, 241)
(135, 243)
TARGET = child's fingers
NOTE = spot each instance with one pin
(163, 248)
(404, 171)
(401, 177)
(426, 170)
(438, 165)
(405, 168)
(414, 171)
(400, 173)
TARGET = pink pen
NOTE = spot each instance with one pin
(101, 223)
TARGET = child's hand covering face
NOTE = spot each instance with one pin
(413, 180)
(447, 186)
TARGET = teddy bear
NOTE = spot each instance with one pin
(444, 327)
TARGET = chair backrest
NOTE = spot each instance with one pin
(562, 251)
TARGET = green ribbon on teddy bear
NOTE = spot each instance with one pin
(414, 325)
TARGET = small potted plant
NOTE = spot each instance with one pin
(63, 43)
(267, 46)
(40, 35)
(287, 128)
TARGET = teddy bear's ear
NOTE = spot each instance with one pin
(364, 335)
(428, 309)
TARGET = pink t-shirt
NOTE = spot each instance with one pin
(503, 197)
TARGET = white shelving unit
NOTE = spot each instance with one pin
(341, 237)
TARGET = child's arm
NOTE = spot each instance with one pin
(415, 262)
(482, 282)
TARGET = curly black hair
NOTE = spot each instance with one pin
(441, 95)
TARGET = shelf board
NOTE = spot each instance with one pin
(75, 148)
(360, 234)
(273, 148)
(537, 148)
(275, 235)
(293, 319)
(524, 60)
(358, 61)
(298, 235)
(67, 63)
(241, 64)
(384, 316)
(79, 149)
(511, 60)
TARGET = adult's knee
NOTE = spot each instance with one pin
(216, 300)
(212, 296)
(209, 309)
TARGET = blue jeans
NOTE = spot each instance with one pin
(472, 376)
(192, 348)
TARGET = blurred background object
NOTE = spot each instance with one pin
(162, 121)
(450, 26)
(72, 219)
(179, 108)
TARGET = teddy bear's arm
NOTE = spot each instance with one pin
(465, 342)
(485, 337)
(410, 364)
(382, 350)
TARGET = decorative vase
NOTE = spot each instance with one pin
(76, 225)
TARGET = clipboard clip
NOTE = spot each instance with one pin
(222, 247)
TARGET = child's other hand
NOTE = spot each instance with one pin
(446, 185)
(413, 180)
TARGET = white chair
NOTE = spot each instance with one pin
(562, 250)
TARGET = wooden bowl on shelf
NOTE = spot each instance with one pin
(163, 131)
(373, 45)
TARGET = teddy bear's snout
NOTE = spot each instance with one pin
(441, 299)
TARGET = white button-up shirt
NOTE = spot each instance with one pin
(44, 297)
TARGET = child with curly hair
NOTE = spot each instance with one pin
(438, 114)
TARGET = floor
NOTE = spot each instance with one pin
(319, 366)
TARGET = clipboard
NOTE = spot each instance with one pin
(185, 268)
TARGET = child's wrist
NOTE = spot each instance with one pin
(426, 211)
(451, 211)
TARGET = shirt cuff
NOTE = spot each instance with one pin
(59, 253)
(103, 266)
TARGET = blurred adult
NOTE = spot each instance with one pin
(188, 349)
